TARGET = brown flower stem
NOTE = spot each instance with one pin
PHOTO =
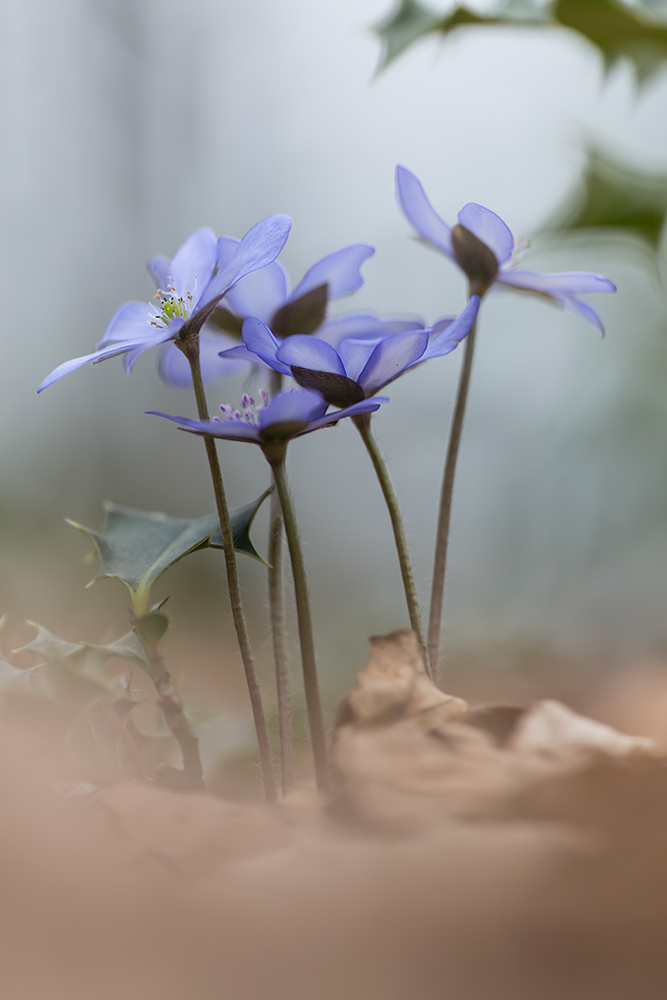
(363, 425)
(444, 517)
(191, 350)
(311, 685)
(279, 629)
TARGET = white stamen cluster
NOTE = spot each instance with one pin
(171, 305)
(249, 412)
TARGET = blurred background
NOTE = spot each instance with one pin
(127, 124)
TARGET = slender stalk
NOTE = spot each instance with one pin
(444, 517)
(313, 703)
(279, 629)
(191, 351)
(363, 425)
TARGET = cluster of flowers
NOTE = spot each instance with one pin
(215, 289)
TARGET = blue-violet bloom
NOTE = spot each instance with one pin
(483, 247)
(273, 423)
(190, 286)
(265, 294)
(359, 366)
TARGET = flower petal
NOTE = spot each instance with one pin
(260, 246)
(339, 270)
(297, 405)
(391, 357)
(366, 325)
(489, 228)
(192, 265)
(232, 430)
(364, 406)
(355, 353)
(159, 270)
(174, 368)
(261, 293)
(447, 335)
(309, 352)
(131, 321)
(421, 213)
(111, 351)
(258, 338)
(566, 282)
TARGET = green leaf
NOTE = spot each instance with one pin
(128, 647)
(138, 546)
(72, 671)
(15, 681)
(614, 196)
(303, 315)
(226, 321)
(408, 23)
(617, 31)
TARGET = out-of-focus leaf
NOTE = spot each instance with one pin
(617, 31)
(614, 196)
(226, 321)
(303, 315)
(128, 647)
(614, 28)
(72, 671)
(138, 546)
(15, 681)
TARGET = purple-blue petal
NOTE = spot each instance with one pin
(260, 341)
(566, 282)
(297, 405)
(339, 270)
(174, 368)
(233, 430)
(391, 357)
(192, 265)
(355, 352)
(158, 268)
(364, 406)
(489, 228)
(309, 352)
(260, 246)
(421, 213)
(110, 351)
(261, 293)
(130, 322)
(366, 325)
(447, 335)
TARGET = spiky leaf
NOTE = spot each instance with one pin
(137, 546)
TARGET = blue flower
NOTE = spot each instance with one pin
(265, 294)
(360, 366)
(483, 246)
(190, 286)
(288, 415)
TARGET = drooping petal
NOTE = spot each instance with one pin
(159, 337)
(296, 406)
(391, 357)
(364, 406)
(309, 352)
(421, 213)
(339, 270)
(447, 335)
(566, 282)
(260, 246)
(110, 351)
(130, 322)
(158, 268)
(174, 368)
(232, 430)
(365, 325)
(489, 228)
(355, 352)
(192, 265)
(260, 341)
(261, 293)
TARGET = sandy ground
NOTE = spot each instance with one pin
(501, 853)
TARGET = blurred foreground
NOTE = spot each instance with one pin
(465, 853)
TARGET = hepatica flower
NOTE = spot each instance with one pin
(359, 366)
(483, 247)
(265, 294)
(190, 286)
(271, 424)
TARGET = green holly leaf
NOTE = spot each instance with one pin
(72, 671)
(614, 196)
(137, 546)
(128, 647)
(15, 681)
(618, 31)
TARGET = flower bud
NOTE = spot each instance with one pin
(474, 258)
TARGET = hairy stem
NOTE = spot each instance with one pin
(444, 517)
(363, 425)
(279, 629)
(191, 351)
(311, 685)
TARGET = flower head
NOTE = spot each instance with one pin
(359, 366)
(190, 286)
(272, 424)
(483, 247)
(266, 294)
